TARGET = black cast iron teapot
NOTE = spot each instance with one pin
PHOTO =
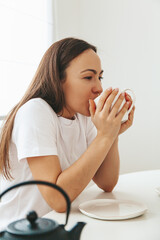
(34, 228)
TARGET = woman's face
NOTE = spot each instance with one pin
(83, 82)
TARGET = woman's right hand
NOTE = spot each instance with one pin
(108, 119)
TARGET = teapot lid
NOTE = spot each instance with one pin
(32, 225)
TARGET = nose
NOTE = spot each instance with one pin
(97, 88)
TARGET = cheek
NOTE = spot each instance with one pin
(77, 93)
(82, 95)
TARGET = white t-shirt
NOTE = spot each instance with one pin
(38, 131)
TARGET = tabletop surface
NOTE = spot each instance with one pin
(139, 187)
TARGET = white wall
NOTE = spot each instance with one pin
(26, 31)
(127, 34)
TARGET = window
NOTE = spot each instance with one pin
(27, 30)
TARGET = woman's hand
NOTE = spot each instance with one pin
(106, 118)
(129, 122)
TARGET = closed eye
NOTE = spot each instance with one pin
(89, 77)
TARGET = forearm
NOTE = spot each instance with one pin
(75, 178)
(107, 175)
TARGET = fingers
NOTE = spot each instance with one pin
(92, 107)
(105, 103)
(116, 107)
(109, 102)
(128, 99)
(129, 122)
(123, 111)
(103, 98)
(131, 115)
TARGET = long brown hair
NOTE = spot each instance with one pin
(46, 84)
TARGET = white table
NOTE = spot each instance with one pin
(138, 186)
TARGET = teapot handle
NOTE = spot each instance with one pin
(43, 183)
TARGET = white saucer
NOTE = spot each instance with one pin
(158, 190)
(112, 209)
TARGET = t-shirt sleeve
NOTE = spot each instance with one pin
(34, 130)
(91, 131)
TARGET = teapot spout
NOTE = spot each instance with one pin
(75, 232)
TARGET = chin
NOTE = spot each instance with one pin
(86, 113)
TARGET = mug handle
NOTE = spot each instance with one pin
(133, 99)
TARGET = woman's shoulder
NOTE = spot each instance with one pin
(36, 106)
(36, 110)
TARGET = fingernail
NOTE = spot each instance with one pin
(109, 89)
(128, 104)
(116, 89)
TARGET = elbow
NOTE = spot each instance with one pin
(59, 205)
(55, 200)
(60, 208)
(107, 187)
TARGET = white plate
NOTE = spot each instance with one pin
(158, 190)
(112, 209)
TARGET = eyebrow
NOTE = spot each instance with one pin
(92, 70)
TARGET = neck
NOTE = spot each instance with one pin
(66, 114)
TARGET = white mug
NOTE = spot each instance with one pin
(131, 93)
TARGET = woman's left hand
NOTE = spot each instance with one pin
(129, 122)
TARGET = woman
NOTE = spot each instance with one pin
(57, 134)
